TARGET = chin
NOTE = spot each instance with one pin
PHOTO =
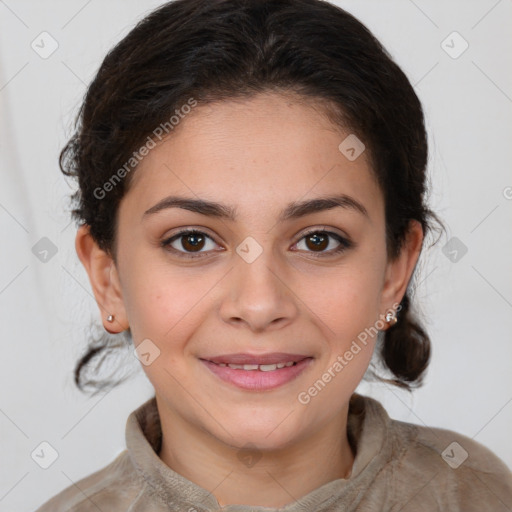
(265, 435)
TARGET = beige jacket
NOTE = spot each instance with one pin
(398, 467)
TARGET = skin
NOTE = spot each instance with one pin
(258, 155)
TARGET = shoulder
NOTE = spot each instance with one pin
(449, 468)
(115, 486)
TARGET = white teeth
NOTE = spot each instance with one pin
(260, 367)
(250, 366)
(268, 367)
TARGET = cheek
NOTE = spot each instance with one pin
(347, 306)
(346, 302)
(160, 299)
(348, 309)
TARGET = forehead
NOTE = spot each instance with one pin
(256, 154)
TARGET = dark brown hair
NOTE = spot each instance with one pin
(212, 50)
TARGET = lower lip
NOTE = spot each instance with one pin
(256, 379)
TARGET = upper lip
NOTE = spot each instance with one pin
(270, 358)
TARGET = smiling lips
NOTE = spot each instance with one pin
(261, 367)
(265, 371)
(263, 359)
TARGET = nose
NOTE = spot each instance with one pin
(258, 294)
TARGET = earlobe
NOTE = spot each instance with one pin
(399, 272)
(105, 284)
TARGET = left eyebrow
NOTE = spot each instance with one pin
(293, 210)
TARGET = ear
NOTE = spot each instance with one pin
(104, 280)
(399, 272)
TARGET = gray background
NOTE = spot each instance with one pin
(46, 307)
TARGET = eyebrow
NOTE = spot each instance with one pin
(293, 210)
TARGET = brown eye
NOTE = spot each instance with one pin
(192, 242)
(186, 243)
(319, 241)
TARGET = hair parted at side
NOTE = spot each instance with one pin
(212, 50)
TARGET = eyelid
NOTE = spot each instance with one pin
(343, 240)
(166, 242)
(189, 229)
(324, 229)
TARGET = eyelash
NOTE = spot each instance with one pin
(344, 243)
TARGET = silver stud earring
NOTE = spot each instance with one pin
(110, 318)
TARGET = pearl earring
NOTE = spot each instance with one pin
(391, 317)
(110, 318)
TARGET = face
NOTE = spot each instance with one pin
(262, 278)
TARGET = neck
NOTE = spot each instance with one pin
(267, 478)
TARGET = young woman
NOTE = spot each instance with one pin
(252, 208)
